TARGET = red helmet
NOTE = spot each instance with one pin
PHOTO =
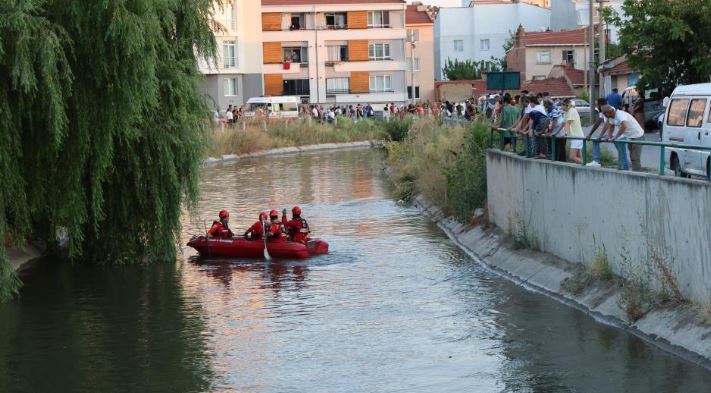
(224, 214)
(296, 211)
(263, 216)
(273, 214)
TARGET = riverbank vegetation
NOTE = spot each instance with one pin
(263, 135)
(102, 127)
(446, 164)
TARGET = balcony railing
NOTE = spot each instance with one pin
(228, 24)
(337, 91)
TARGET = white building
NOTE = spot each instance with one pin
(480, 31)
(236, 74)
(573, 14)
(335, 51)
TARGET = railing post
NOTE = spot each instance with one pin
(491, 138)
(501, 140)
(514, 139)
(662, 158)
(553, 156)
(585, 151)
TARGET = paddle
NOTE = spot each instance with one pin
(264, 236)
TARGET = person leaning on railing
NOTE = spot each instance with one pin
(555, 129)
(628, 129)
(605, 132)
(573, 127)
(509, 117)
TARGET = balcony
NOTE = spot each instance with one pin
(374, 65)
(294, 68)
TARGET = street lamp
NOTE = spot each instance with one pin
(413, 44)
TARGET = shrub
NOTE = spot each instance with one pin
(397, 129)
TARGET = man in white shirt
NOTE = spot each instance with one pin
(627, 129)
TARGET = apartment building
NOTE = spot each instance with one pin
(335, 51)
(535, 53)
(478, 32)
(420, 34)
(235, 74)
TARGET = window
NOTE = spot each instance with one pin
(229, 50)
(379, 19)
(677, 112)
(337, 53)
(458, 45)
(296, 87)
(413, 35)
(569, 57)
(417, 63)
(379, 51)
(484, 44)
(543, 57)
(296, 22)
(337, 86)
(295, 54)
(380, 83)
(696, 112)
(409, 92)
(336, 20)
(230, 87)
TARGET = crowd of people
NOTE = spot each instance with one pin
(268, 225)
(542, 121)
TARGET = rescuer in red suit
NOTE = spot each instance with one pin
(297, 229)
(221, 229)
(256, 231)
(276, 230)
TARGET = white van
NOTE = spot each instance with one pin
(688, 121)
(282, 107)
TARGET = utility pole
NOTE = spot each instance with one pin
(591, 65)
(603, 44)
(412, 41)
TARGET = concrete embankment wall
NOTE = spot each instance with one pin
(644, 222)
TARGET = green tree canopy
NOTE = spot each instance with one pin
(468, 69)
(668, 41)
(101, 125)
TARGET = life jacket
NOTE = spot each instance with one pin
(220, 230)
(298, 229)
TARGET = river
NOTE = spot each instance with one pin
(395, 307)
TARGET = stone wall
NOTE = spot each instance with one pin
(643, 222)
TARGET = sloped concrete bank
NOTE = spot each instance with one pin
(20, 258)
(675, 329)
(293, 150)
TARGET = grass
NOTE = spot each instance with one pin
(444, 163)
(283, 133)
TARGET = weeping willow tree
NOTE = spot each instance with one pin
(101, 124)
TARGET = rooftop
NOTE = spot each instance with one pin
(413, 16)
(569, 37)
(320, 2)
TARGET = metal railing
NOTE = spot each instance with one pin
(552, 140)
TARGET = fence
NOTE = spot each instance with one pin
(552, 140)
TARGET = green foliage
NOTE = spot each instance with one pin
(466, 179)
(102, 125)
(668, 41)
(468, 69)
(397, 128)
(578, 282)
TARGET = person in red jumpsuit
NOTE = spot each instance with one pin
(276, 228)
(256, 231)
(220, 229)
(297, 229)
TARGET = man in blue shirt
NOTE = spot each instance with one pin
(614, 99)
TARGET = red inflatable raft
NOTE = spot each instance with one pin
(242, 248)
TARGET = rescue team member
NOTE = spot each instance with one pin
(221, 229)
(276, 228)
(256, 231)
(297, 229)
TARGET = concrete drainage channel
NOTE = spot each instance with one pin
(674, 329)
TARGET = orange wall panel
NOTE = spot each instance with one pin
(357, 19)
(273, 84)
(360, 82)
(271, 52)
(358, 50)
(271, 21)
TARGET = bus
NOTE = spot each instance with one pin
(282, 107)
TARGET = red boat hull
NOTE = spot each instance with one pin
(242, 248)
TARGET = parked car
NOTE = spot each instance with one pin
(652, 105)
(583, 108)
(688, 122)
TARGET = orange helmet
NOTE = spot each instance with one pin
(224, 214)
(263, 216)
(273, 214)
(296, 211)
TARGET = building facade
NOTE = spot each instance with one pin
(480, 31)
(420, 30)
(235, 74)
(535, 54)
(335, 51)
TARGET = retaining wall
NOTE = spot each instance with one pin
(638, 219)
